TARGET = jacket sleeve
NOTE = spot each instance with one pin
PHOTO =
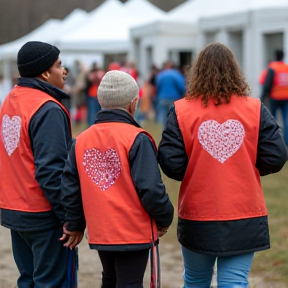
(272, 152)
(71, 194)
(268, 84)
(147, 181)
(172, 155)
(50, 139)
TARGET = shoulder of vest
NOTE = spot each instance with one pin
(277, 64)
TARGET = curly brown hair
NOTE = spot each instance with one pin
(216, 74)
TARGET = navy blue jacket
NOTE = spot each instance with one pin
(223, 238)
(144, 172)
(50, 136)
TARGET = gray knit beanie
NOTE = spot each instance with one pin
(117, 89)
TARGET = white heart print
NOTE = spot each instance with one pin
(221, 141)
(11, 132)
(103, 168)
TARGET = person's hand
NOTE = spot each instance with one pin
(161, 231)
(74, 238)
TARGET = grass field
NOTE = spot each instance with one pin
(272, 264)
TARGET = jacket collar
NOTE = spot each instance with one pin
(115, 115)
(43, 86)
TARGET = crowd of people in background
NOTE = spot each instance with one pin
(157, 93)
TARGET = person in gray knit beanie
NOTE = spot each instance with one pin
(117, 90)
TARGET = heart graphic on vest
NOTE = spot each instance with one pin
(221, 141)
(11, 132)
(102, 168)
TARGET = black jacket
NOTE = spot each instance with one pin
(268, 84)
(144, 172)
(222, 238)
(50, 136)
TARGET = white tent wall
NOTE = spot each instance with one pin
(6, 83)
(271, 24)
(258, 32)
(253, 29)
(160, 41)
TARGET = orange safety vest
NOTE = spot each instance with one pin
(113, 211)
(221, 181)
(19, 190)
(280, 85)
(92, 91)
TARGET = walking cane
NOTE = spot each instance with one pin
(155, 277)
(72, 281)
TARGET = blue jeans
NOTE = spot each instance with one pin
(283, 106)
(42, 260)
(232, 271)
(93, 107)
(163, 108)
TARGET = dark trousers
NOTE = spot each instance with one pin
(282, 105)
(93, 107)
(41, 259)
(123, 269)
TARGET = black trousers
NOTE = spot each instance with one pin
(123, 269)
(41, 259)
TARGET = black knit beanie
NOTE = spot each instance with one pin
(35, 58)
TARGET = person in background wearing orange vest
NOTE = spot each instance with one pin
(36, 135)
(112, 169)
(275, 86)
(92, 82)
(218, 142)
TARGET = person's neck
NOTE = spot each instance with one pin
(118, 108)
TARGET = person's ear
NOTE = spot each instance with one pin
(45, 75)
(134, 104)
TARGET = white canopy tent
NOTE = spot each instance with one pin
(49, 32)
(107, 29)
(193, 10)
(253, 32)
(43, 33)
(200, 22)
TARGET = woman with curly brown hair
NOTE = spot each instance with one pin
(218, 141)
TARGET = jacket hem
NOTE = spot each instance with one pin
(126, 247)
(227, 253)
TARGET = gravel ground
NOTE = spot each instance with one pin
(90, 267)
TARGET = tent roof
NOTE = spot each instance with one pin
(108, 26)
(192, 10)
(48, 32)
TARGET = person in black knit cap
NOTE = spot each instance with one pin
(36, 135)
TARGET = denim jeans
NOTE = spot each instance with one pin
(232, 271)
(163, 108)
(275, 105)
(42, 260)
(93, 107)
